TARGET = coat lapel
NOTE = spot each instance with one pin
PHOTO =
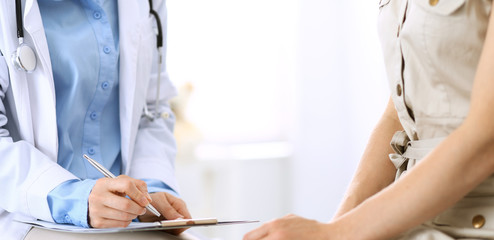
(129, 17)
(34, 93)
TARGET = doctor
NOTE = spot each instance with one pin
(92, 73)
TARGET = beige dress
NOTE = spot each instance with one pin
(431, 50)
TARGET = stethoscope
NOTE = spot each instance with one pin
(159, 44)
(24, 58)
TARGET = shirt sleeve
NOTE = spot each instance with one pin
(155, 185)
(68, 202)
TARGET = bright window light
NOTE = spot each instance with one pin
(239, 56)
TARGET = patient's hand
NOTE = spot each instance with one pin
(289, 227)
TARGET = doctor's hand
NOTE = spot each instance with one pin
(108, 205)
(290, 227)
(170, 207)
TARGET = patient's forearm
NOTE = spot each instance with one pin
(375, 170)
(455, 167)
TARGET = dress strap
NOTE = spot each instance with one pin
(407, 152)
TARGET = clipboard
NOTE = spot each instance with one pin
(136, 226)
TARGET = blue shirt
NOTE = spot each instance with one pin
(83, 42)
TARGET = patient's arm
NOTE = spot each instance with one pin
(375, 170)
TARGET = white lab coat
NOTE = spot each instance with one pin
(28, 128)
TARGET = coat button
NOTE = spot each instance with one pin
(433, 2)
(398, 90)
(478, 221)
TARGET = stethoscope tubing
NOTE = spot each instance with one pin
(18, 16)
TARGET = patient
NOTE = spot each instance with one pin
(434, 181)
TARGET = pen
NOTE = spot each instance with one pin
(108, 174)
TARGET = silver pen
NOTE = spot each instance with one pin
(108, 174)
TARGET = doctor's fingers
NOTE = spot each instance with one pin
(120, 214)
(99, 201)
(134, 188)
(141, 185)
(104, 194)
(117, 214)
(170, 206)
(178, 204)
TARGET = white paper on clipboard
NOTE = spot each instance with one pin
(135, 226)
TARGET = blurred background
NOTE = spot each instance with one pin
(277, 99)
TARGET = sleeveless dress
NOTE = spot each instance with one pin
(431, 50)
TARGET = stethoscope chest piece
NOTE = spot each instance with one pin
(24, 58)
